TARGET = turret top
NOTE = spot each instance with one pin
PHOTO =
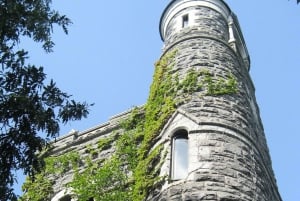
(176, 6)
(202, 18)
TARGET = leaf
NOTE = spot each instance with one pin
(29, 106)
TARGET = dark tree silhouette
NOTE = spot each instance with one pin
(29, 105)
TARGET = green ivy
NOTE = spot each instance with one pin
(103, 182)
(106, 143)
(133, 170)
(191, 82)
(38, 190)
(59, 165)
(159, 107)
(220, 86)
(41, 188)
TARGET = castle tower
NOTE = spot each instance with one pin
(199, 137)
(215, 140)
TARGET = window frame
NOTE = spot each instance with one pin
(181, 134)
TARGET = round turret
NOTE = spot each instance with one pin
(215, 142)
(181, 15)
(185, 19)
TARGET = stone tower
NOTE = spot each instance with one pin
(218, 149)
(199, 137)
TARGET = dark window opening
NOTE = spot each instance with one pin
(185, 21)
(66, 198)
(179, 167)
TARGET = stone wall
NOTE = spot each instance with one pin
(82, 142)
(228, 154)
(223, 164)
(202, 21)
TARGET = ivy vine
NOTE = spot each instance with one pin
(133, 169)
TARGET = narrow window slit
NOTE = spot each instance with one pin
(185, 21)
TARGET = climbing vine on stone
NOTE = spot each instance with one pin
(133, 170)
(41, 189)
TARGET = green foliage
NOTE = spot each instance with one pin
(59, 165)
(40, 189)
(126, 148)
(219, 86)
(105, 183)
(109, 180)
(28, 104)
(135, 119)
(105, 143)
(203, 80)
(33, 19)
(160, 106)
(158, 109)
(191, 83)
(132, 171)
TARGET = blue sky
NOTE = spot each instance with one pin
(108, 58)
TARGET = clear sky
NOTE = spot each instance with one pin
(108, 58)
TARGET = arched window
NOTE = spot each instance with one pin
(66, 198)
(179, 167)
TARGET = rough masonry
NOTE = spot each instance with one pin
(228, 156)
